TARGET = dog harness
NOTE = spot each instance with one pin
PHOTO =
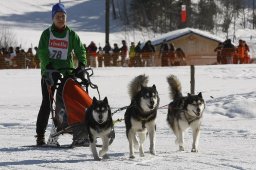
(58, 47)
(143, 119)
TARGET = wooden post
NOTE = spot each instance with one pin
(107, 21)
(253, 14)
(192, 79)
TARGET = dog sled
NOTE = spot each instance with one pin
(70, 104)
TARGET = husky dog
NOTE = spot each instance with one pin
(100, 124)
(141, 114)
(184, 112)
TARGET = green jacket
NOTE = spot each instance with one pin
(75, 45)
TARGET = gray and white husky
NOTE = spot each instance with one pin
(100, 124)
(140, 116)
(184, 112)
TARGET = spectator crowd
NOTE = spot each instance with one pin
(18, 58)
(134, 55)
(227, 53)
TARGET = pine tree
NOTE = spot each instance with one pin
(207, 9)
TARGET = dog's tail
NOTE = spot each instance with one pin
(175, 86)
(136, 83)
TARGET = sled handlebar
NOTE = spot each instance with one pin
(86, 81)
(88, 72)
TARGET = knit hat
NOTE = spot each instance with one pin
(59, 7)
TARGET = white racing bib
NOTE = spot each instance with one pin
(58, 47)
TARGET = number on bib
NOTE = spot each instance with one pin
(56, 54)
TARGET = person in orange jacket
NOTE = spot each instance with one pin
(246, 53)
(240, 51)
(92, 51)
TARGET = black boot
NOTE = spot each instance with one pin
(40, 140)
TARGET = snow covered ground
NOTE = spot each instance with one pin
(228, 131)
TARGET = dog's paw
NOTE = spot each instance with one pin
(142, 154)
(132, 157)
(102, 153)
(97, 158)
(152, 152)
(105, 156)
(181, 148)
(194, 150)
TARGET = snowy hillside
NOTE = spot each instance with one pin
(28, 18)
(33, 15)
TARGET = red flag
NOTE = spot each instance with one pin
(183, 13)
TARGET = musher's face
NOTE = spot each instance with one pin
(60, 19)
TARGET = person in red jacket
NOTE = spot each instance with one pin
(92, 52)
(123, 52)
(227, 52)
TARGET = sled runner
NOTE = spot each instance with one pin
(71, 102)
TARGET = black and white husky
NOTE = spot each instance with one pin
(100, 124)
(184, 112)
(140, 116)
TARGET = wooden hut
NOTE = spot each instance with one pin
(197, 45)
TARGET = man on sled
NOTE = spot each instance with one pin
(57, 46)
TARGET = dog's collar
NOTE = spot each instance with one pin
(191, 119)
(98, 127)
(144, 117)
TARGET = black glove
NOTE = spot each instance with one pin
(79, 71)
(51, 75)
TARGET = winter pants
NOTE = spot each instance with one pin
(45, 109)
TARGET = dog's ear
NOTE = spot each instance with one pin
(154, 86)
(200, 95)
(94, 100)
(105, 100)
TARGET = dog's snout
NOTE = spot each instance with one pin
(152, 102)
(100, 116)
(198, 110)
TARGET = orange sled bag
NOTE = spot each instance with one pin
(76, 101)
